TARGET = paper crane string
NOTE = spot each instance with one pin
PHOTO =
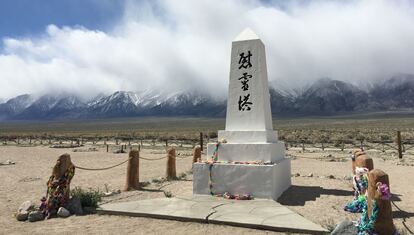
(365, 224)
(214, 160)
(360, 183)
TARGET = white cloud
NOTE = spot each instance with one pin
(178, 44)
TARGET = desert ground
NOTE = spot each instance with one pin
(321, 186)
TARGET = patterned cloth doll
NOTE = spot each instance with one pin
(360, 182)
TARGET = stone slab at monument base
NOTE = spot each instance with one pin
(257, 213)
(260, 181)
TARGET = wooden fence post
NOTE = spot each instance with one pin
(383, 223)
(399, 144)
(132, 178)
(197, 154)
(171, 168)
(107, 148)
(201, 141)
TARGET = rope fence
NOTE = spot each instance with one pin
(132, 174)
(110, 167)
(101, 169)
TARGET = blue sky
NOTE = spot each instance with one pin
(22, 18)
(87, 47)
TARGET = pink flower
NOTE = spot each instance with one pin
(384, 190)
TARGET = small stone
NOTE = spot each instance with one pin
(108, 194)
(296, 175)
(9, 162)
(22, 215)
(347, 177)
(35, 216)
(25, 206)
(346, 227)
(74, 206)
(62, 212)
(331, 177)
(310, 175)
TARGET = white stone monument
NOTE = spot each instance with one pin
(250, 160)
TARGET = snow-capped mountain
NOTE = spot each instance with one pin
(328, 96)
(324, 97)
(15, 106)
(51, 107)
(395, 93)
(118, 104)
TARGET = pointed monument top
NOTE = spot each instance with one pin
(247, 34)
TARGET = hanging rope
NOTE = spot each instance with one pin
(317, 158)
(109, 167)
(152, 159)
(182, 157)
(101, 169)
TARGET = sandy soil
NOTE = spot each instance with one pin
(318, 198)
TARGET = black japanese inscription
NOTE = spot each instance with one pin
(245, 81)
(244, 103)
(244, 60)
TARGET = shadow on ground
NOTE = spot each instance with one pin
(297, 195)
(402, 214)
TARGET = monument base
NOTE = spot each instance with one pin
(266, 152)
(268, 136)
(260, 181)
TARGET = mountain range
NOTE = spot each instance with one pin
(324, 97)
